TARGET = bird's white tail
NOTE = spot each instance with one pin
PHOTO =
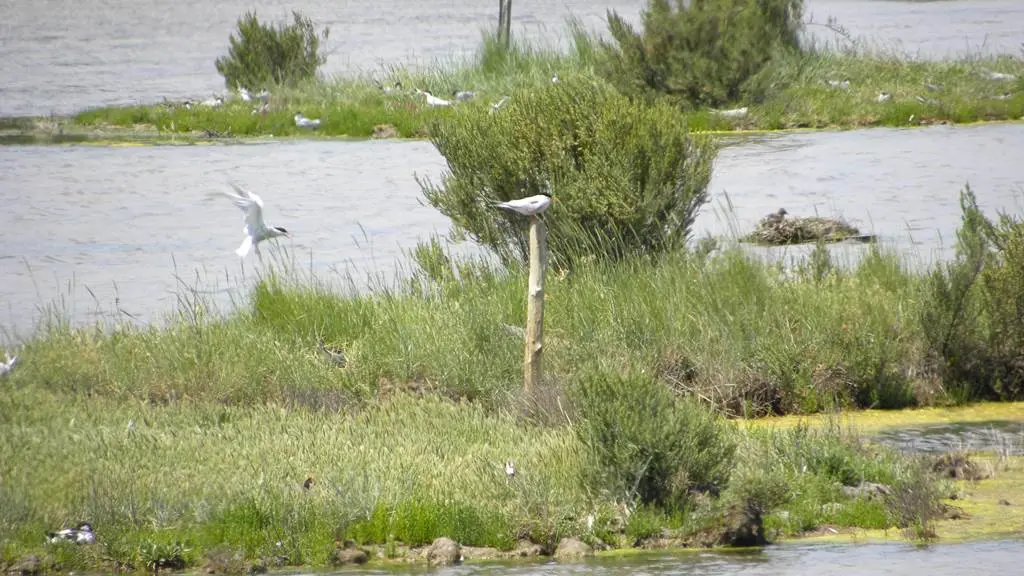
(244, 248)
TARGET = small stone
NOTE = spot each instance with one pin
(868, 490)
(482, 553)
(831, 508)
(27, 566)
(382, 131)
(572, 549)
(444, 552)
(526, 549)
(348, 554)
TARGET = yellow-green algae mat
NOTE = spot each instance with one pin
(992, 508)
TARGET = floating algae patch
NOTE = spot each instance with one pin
(990, 508)
(777, 230)
(873, 421)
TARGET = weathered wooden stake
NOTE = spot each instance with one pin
(504, 22)
(535, 304)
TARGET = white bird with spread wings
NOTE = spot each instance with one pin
(256, 230)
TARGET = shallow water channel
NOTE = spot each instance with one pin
(104, 231)
(996, 558)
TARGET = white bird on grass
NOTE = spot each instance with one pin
(999, 76)
(303, 122)
(733, 113)
(463, 95)
(529, 206)
(495, 106)
(434, 100)
(256, 230)
(244, 94)
(81, 535)
(8, 366)
(214, 102)
(510, 469)
(334, 354)
(883, 97)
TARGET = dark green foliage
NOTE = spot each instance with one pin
(262, 56)
(627, 178)
(648, 443)
(974, 317)
(701, 54)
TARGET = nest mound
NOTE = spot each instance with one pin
(775, 229)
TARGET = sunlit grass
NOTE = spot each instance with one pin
(921, 91)
(184, 440)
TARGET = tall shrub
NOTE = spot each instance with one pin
(263, 55)
(973, 319)
(648, 443)
(627, 178)
(701, 52)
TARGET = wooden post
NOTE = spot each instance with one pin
(504, 22)
(535, 304)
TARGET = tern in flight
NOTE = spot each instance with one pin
(256, 230)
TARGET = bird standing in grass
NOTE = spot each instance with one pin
(83, 534)
(334, 354)
(256, 230)
(510, 469)
(433, 100)
(303, 122)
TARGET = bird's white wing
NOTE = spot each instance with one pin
(250, 204)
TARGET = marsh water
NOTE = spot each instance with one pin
(126, 230)
(1004, 437)
(59, 56)
(976, 559)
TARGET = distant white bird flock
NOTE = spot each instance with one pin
(255, 230)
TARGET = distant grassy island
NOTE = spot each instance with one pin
(799, 88)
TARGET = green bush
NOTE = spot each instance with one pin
(648, 443)
(627, 178)
(701, 54)
(973, 320)
(262, 56)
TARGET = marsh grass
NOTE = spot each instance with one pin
(193, 440)
(959, 91)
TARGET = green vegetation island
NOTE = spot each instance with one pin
(751, 77)
(692, 395)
